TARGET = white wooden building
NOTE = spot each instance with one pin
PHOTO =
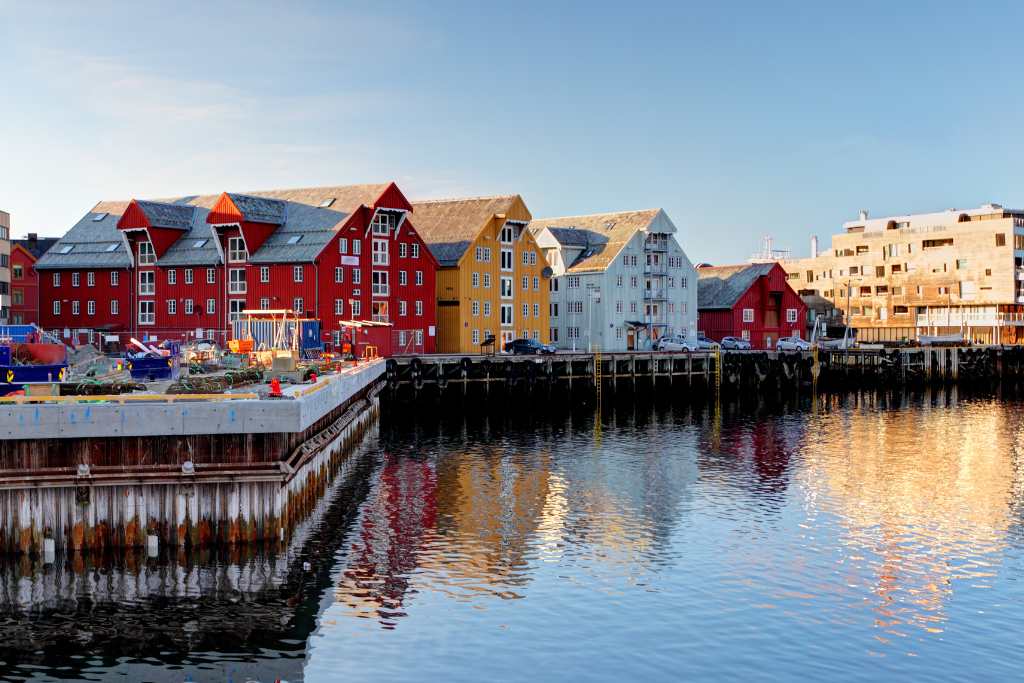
(619, 280)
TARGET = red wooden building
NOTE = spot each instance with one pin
(186, 267)
(752, 301)
(25, 279)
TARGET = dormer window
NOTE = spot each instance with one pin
(508, 234)
(147, 256)
(236, 250)
(382, 224)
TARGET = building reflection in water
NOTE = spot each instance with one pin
(923, 498)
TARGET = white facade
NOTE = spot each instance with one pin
(619, 293)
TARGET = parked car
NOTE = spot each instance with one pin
(792, 344)
(735, 343)
(705, 344)
(528, 347)
(678, 342)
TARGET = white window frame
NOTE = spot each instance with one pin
(211, 307)
(56, 306)
(76, 279)
(748, 315)
(90, 307)
(419, 277)
(75, 307)
(115, 278)
(237, 253)
(147, 312)
(190, 307)
(236, 281)
(172, 307)
(297, 274)
(115, 307)
(146, 255)
(299, 305)
(147, 283)
(211, 276)
(264, 274)
(189, 276)
(380, 252)
(235, 308)
(791, 316)
(90, 279)
(379, 283)
(172, 277)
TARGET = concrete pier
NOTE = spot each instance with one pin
(93, 475)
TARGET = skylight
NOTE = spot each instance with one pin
(199, 244)
(327, 202)
(112, 247)
(66, 249)
(100, 216)
(294, 239)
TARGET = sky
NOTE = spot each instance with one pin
(739, 119)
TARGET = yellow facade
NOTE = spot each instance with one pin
(469, 294)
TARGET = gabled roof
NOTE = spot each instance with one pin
(312, 214)
(720, 287)
(449, 226)
(36, 247)
(615, 230)
(165, 215)
(260, 209)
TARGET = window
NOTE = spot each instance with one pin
(147, 256)
(115, 278)
(211, 306)
(536, 335)
(526, 311)
(526, 258)
(188, 276)
(536, 283)
(476, 336)
(625, 259)
(632, 307)
(75, 279)
(294, 239)
(553, 334)
(618, 307)
(264, 274)
(56, 307)
(382, 223)
(553, 284)
(948, 242)
(419, 307)
(507, 234)
(487, 280)
(419, 277)
(17, 298)
(115, 307)
(343, 245)
(487, 309)
(236, 281)
(379, 283)
(745, 334)
(147, 282)
(18, 272)
(90, 279)
(298, 305)
(189, 307)
(357, 247)
(147, 312)
(506, 259)
(403, 308)
(264, 303)
(536, 310)
(476, 308)
(356, 307)
(879, 271)
(961, 263)
(211, 276)
(634, 282)
(506, 314)
(297, 273)
(748, 315)
(415, 250)
(357, 277)
(236, 250)
(172, 306)
(380, 252)
(533, 262)
(476, 279)
(172, 277)
(506, 288)
(235, 308)
(1000, 239)
(403, 250)
(574, 281)
(526, 283)
(74, 307)
(790, 315)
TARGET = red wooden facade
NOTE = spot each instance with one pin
(762, 311)
(24, 287)
(336, 283)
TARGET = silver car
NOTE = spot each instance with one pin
(735, 343)
(792, 344)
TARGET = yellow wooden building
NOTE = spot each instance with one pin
(493, 278)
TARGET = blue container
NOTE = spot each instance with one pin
(310, 338)
(150, 368)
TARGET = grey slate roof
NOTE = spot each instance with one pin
(720, 287)
(574, 237)
(165, 215)
(36, 247)
(299, 210)
(260, 209)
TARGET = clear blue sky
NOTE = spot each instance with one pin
(739, 119)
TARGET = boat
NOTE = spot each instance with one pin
(29, 363)
(956, 339)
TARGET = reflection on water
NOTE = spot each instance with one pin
(857, 537)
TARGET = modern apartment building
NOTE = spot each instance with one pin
(620, 280)
(959, 271)
(5, 267)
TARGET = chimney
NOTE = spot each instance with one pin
(863, 214)
(33, 237)
(814, 246)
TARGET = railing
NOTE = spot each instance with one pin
(655, 295)
(651, 244)
(656, 269)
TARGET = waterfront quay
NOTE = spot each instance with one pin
(93, 472)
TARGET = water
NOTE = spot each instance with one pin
(853, 538)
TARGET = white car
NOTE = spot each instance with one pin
(678, 342)
(737, 343)
(792, 344)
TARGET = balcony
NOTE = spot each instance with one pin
(656, 244)
(656, 268)
(655, 295)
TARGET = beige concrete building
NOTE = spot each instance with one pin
(5, 267)
(899, 277)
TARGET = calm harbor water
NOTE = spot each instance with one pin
(853, 538)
